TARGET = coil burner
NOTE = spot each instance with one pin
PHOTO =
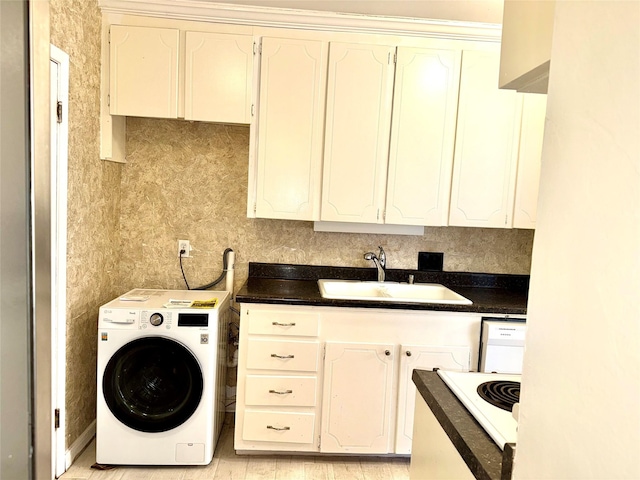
(500, 393)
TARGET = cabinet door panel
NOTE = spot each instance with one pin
(359, 94)
(357, 398)
(422, 136)
(529, 159)
(291, 116)
(486, 145)
(218, 77)
(426, 357)
(143, 71)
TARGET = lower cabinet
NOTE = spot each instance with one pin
(338, 380)
(356, 400)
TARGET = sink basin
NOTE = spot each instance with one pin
(390, 292)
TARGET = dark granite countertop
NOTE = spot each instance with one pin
(481, 454)
(297, 285)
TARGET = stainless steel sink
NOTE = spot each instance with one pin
(390, 292)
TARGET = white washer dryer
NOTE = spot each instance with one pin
(161, 377)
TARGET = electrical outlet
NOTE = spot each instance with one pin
(184, 245)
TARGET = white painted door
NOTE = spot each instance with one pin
(486, 148)
(218, 76)
(357, 393)
(426, 357)
(422, 136)
(59, 85)
(143, 71)
(290, 126)
(529, 160)
(359, 98)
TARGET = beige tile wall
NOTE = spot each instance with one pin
(93, 211)
(188, 181)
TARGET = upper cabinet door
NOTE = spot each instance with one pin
(359, 97)
(218, 75)
(422, 136)
(143, 67)
(290, 127)
(531, 135)
(486, 148)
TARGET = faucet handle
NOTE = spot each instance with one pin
(382, 257)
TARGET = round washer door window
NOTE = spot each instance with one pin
(152, 384)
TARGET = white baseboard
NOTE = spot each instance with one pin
(80, 444)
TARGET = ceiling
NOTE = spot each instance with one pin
(486, 11)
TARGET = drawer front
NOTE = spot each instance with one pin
(298, 391)
(265, 426)
(282, 355)
(282, 322)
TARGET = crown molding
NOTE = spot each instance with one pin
(204, 10)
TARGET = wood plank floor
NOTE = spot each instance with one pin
(227, 465)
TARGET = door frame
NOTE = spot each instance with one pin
(59, 182)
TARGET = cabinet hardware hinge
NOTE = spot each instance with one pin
(253, 110)
(59, 112)
(254, 48)
(56, 417)
(108, 100)
(318, 442)
(255, 208)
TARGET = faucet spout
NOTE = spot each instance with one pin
(379, 262)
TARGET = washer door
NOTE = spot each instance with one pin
(152, 384)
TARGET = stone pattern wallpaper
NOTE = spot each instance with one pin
(186, 180)
(93, 209)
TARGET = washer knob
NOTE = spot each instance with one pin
(156, 319)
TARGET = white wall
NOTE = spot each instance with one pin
(486, 11)
(580, 410)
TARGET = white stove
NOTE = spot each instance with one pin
(504, 388)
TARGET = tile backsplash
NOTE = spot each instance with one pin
(188, 180)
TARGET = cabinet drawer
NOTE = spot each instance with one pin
(282, 355)
(282, 322)
(265, 426)
(280, 390)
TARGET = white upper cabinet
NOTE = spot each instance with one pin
(389, 145)
(422, 136)
(290, 128)
(486, 147)
(529, 159)
(218, 75)
(525, 57)
(359, 96)
(145, 66)
(143, 80)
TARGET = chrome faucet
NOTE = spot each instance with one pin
(380, 262)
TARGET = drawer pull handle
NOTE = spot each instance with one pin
(278, 324)
(278, 428)
(275, 355)
(281, 392)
